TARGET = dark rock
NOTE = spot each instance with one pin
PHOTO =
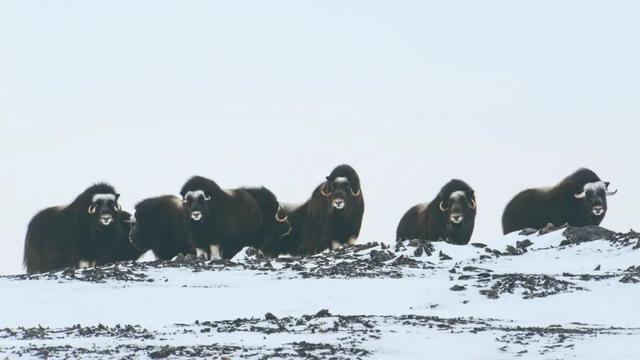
(577, 235)
(458, 288)
(381, 256)
(528, 231)
(419, 251)
(323, 314)
(523, 244)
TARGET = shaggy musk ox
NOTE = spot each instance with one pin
(449, 217)
(275, 222)
(331, 218)
(89, 231)
(158, 225)
(578, 200)
(219, 222)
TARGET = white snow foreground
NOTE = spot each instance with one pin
(562, 295)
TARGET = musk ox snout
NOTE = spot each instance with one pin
(338, 203)
(196, 215)
(456, 218)
(106, 219)
(598, 210)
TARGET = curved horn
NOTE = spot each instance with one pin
(442, 208)
(118, 207)
(580, 195)
(322, 190)
(355, 194)
(92, 209)
(207, 197)
(609, 192)
(281, 220)
(473, 204)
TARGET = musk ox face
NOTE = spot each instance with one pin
(104, 209)
(457, 208)
(593, 200)
(195, 205)
(341, 193)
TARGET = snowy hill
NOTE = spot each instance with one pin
(569, 293)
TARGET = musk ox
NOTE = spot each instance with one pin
(89, 231)
(219, 222)
(331, 218)
(158, 225)
(578, 200)
(275, 222)
(449, 217)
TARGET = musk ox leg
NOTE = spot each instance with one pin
(352, 240)
(202, 254)
(216, 252)
(335, 245)
(84, 264)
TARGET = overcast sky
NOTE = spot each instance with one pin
(503, 94)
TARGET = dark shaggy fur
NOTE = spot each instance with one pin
(121, 250)
(275, 224)
(535, 208)
(332, 217)
(159, 226)
(429, 222)
(228, 219)
(60, 237)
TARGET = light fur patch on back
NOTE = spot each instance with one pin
(290, 207)
(230, 192)
(595, 186)
(105, 197)
(177, 202)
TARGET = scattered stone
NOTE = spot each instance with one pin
(528, 231)
(323, 314)
(458, 288)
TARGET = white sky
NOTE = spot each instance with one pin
(505, 95)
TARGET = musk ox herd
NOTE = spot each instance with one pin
(215, 223)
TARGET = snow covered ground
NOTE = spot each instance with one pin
(570, 293)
